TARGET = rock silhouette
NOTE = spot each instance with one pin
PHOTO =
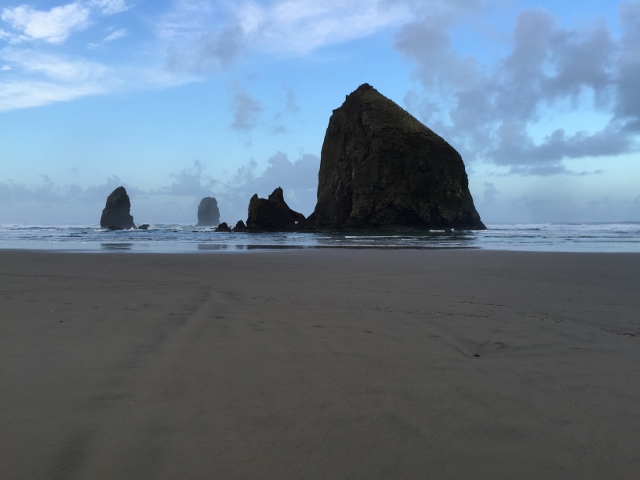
(381, 168)
(240, 227)
(272, 214)
(208, 212)
(115, 215)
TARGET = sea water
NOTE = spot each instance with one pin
(175, 238)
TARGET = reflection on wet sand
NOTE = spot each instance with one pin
(217, 246)
(116, 246)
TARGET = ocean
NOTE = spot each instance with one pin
(172, 238)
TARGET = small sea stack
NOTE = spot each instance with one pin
(208, 212)
(272, 214)
(116, 214)
(240, 227)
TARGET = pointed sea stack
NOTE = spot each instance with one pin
(382, 168)
(223, 227)
(208, 212)
(115, 215)
(240, 227)
(272, 214)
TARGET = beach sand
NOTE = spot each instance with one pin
(305, 364)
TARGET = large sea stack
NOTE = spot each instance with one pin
(382, 168)
(115, 215)
(208, 212)
(272, 214)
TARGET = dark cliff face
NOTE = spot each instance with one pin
(116, 214)
(208, 212)
(382, 167)
(272, 214)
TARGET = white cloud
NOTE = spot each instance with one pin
(38, 79)
(54, 67)
(301, 26)
(52, 26)
(187, 18)
(32, 79)
(203, 37)
(116, 35)
(27, 94)
(110, 7)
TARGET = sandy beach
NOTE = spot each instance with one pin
(318, 364)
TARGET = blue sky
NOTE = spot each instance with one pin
(177, 100)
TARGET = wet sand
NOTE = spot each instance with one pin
(342, 364)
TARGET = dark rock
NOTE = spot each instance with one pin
(240, 227)
(115, 215)
(223, 227)
(272, 214)
(382, 168)
(208, 212)
(144, 226)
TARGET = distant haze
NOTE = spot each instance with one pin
(178, 100)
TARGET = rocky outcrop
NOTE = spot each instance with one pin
(223, 227)
(272, 214)
(382, 168)
(208, 212)
(240, 227)
(115, 215)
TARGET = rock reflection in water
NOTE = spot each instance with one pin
(116, 246)
(279, 247)
(215, 246)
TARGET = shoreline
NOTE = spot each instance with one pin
(607, 238)
(239, 249)
(124, 248)
(320, 363)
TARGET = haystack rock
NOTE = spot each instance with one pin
(208, 212)
(115, 215)
(382, 168)
(272, 214)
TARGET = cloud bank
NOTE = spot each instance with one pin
(491, 109)
(175, 202)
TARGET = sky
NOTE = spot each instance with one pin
(181, 99)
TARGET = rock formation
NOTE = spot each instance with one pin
(240, 227)
(382, 168)
(115, 215)
(223, 227)
(208, 212)
(272, 214)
